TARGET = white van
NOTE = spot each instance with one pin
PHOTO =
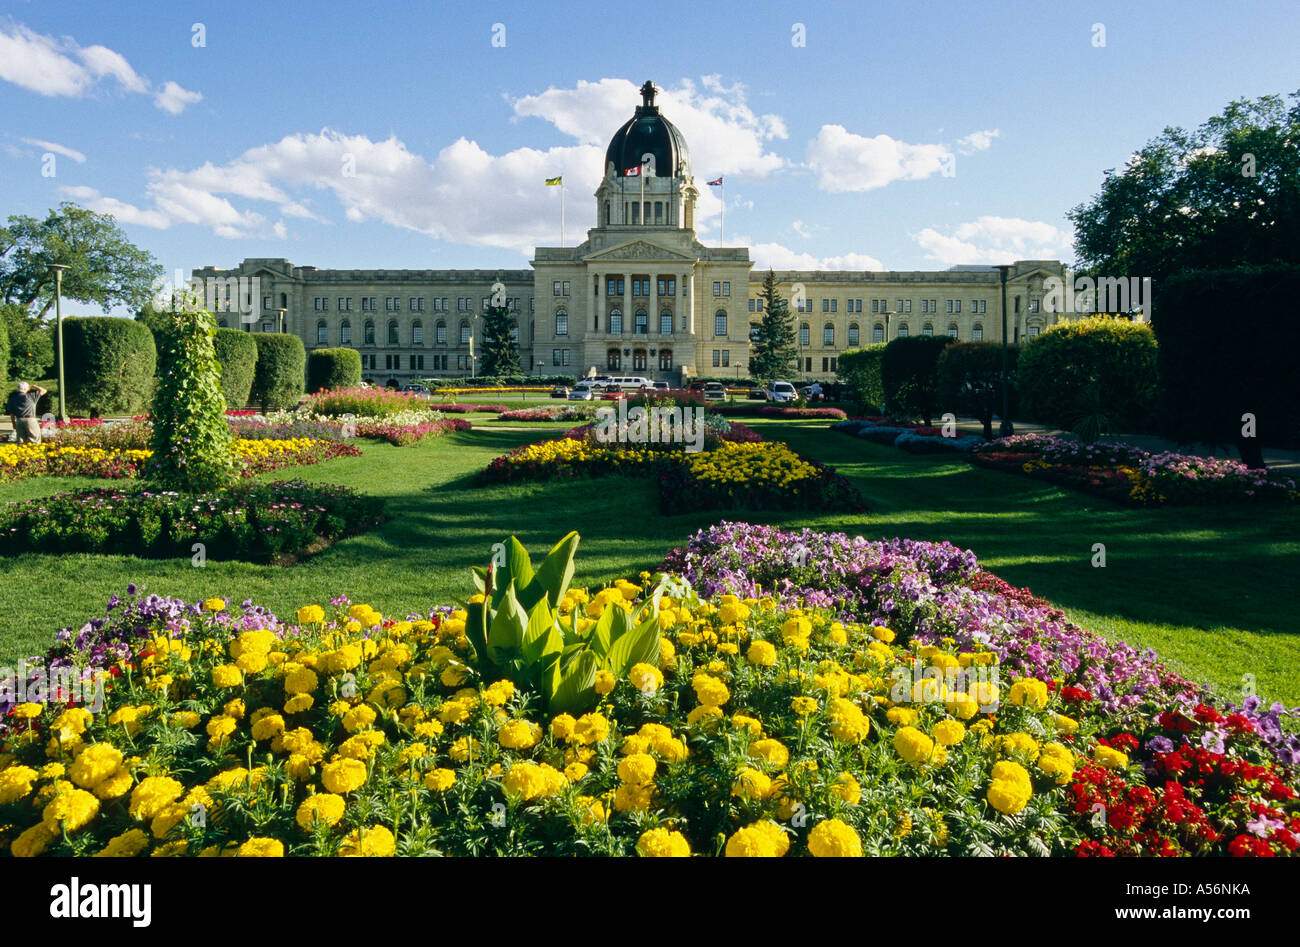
(630, 383)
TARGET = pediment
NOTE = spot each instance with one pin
(638, 250)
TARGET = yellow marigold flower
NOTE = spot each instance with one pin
(440, 780)
(311, 615)
(803, 706)
(637, 769)
(27, 711)
(1028, 692)
(848, 722)
(646, 678)
(633, 798)
(93, 765)
(661, 843)
(881, 633)
(1066, 724)
(33, 841)
(268, 727)
(358, 718)
(590, 729)
(529, 780)
(710, 691)
(220, 727)
(299, 703)
(1020, 745)
(901, 716)
(758, 840)
(833, 838)
(702, 713)
(761, 653)
(300, 680)
(1057, 761)
(949, 732)
(848, 789)
(325, 807)
(151, 795)
(127, 845)
(214, 605)
(591, 811)
(605, 682)
(562, 727)
(499, 693)
(772, 752)
(752, 784)
(1010, 788)
(743, 722)
(795, 633)
(519, 735)
(72, 809)
(343, 775)
(227, 675)
(1109, 757)
(913, 745)
(115, 785)
(373, 842)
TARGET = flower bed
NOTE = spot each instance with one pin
(835, 414)
(913, 438)
(1131, 475)
(258, 522)
(469, 408)
(403, 435)
(365, 402)
(566, 413)
(754, 726)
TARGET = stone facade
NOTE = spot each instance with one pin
(641, 295)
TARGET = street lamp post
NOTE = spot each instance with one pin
(280, 313)
(58, 333)
(1006, 430)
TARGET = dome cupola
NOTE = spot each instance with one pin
(648, 133)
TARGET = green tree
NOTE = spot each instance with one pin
(31, 344)
(775, 349)
(103, 266)
(1226, 194)
(192, 445)
(500, 350)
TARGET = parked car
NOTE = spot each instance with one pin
(813, 392)
(418, 388)
(715, 391)
(780, 392)
(582, 391)
(560, 391)
(661, 386)
(629, 383)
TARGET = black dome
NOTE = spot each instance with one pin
(648, 132)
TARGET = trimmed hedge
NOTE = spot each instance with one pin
(280, 378)
(4, 352)
(908, 374)
(1094, 376)
(970, 380)
(237, 352)
(1229, 346)
(332, 369)
(108, 365)
(860, 371)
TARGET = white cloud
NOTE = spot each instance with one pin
(60, 67)
(996, 240)
(844, 161)
(977, 141)
(801, 229)
(125, 213)
(778, 257)
(173, 99)
(724, 135)
(58, 149)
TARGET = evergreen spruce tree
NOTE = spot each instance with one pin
(775, 351)
(500, 351)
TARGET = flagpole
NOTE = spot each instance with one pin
(722, 226)
(561, 212)
(642, 177)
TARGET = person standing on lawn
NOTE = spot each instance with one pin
(22, 406)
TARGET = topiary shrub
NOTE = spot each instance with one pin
(4, 352)
(108, 365)
(333, 369)
(969, 376)
(279, 380)
(1095, 375)
(1213, 373)
(192, 445)
(908, 375)
(237, 354)
(860, 371)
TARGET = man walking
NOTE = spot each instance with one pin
(22, 405)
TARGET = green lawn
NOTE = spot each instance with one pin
(1211, 589)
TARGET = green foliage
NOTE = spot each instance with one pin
(1211, 372)
(4, 351)
(31, 344)
(103, 266)
(776, 349)
(333, 369)
(237, 354)
(500, 352)
(909, 377)
(1226, 194)
(859, 369)
(970, 380)
(109, 366)
(1097, 375)
(192, 444)
(280, 377)
(518, 632)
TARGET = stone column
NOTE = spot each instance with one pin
(593, 282)
(653, 315)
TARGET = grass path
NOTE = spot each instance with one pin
(1212, 589)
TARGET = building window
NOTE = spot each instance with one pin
(1033, 331)
(440, 333)
(828, 334)
(949, 302)
(717, 288)
(805, 334)
(345, 333)
(853, 333)
(665, 360)
(322, 333)
(417, 304)
(613, 359)
(417, 332)
(464, 333)
(826, 364)
(640, 324)
(952, 330)
(754, 330)
(564, 356)
(640, 287)
(616, 322)
(266, 327)
(927, 329)
(719, 323)
(667, 286)
(368, 333)
(665, 323)
(875, 305)
(393, 338)
(902, 330)
(555, 357)
(561, 322)
(877, 333)
(345, 304)
(638, 360)
(726, 357)
(1033, 305)
(613, 287)
(717, 358)
(977, 332)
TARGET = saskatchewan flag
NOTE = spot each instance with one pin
(559, 180)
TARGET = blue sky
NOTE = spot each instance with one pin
(900, 136)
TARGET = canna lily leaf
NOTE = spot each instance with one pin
(577, 686)
(552, 578)
(640, 645)
(506, 633)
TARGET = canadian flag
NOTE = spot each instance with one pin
(632, 172)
